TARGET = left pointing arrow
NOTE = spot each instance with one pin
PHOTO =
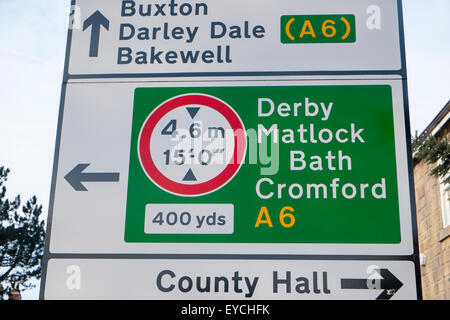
(96, 20)
(76, 176)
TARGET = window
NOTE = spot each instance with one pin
(445, 202)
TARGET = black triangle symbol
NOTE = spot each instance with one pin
(193, 111)
(189, 176)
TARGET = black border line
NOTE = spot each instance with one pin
(415, 233)
(55, 162)
(402, 72)
(187, 256)
(232, 74)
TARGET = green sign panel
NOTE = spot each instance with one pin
(292, 164)
(318, 29)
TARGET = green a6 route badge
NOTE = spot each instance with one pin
(318, 29)
(272, 164)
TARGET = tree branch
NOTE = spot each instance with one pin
(6, 274)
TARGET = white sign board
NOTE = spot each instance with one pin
(213, 37)
(199, 139)
(100, 117)
(230, 280)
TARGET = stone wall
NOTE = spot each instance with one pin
(434, 240)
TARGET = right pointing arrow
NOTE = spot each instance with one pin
(389, 284)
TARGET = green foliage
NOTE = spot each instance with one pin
(434, 151)
(21, 240)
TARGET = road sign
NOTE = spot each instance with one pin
(324, 159)
(280, 166)
(228, 38)
(190, 121)
(236, 279)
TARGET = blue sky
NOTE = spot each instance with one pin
(32, 47)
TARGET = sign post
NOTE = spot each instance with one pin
(214, 150)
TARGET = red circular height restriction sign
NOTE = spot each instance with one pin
(192, 144)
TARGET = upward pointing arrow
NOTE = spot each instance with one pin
(190, 176)
(96, 20)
